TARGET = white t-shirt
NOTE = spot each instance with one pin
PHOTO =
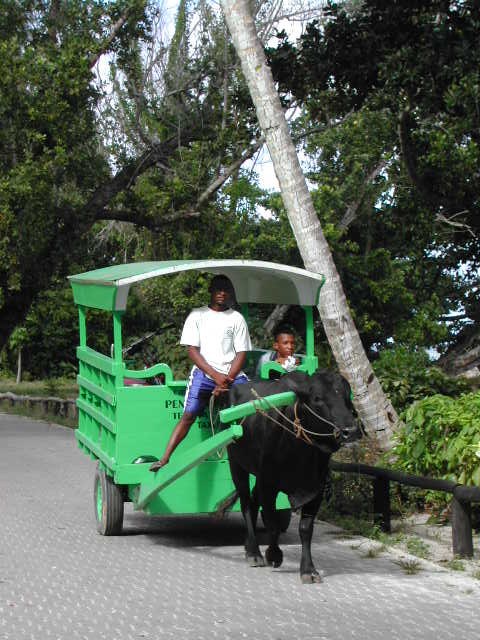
(220, 335)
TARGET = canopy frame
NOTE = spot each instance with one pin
(254, 281)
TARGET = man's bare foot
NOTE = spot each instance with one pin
(159, 464)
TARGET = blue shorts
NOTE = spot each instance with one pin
(199, 390)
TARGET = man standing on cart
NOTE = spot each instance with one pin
(217, 341)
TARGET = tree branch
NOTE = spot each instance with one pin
(53, 15)
(220, 181)
(94, 58)
(136, 217)
(459, 225)
(353, 208)
(126, 177)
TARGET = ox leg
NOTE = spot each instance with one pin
(308, 572)
(255, 506)
(273, 554)
(249, 511)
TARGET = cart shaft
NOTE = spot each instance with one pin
(183, 463)
(240, 411)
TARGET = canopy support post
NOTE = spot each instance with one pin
(82, 325)
(310, 362)
(117, 336)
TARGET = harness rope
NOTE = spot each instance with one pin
(299, 431)
(211, 404)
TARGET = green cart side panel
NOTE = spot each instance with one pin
(200, 491)
(147, 416)
(120, 424)
(96, 402)
(177, 467)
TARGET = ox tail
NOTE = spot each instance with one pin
(224, 505)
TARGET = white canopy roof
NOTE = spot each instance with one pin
(254, 281)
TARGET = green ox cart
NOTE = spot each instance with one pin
(124, 427)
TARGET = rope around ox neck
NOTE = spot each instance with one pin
(299, 430)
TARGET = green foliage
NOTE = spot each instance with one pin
(51, 159)
(50, 334)
(407, 376)
(171, 129)
(51, 386)
(455, 564)
(418, 547)
(65, 387)
(441, 439)
(387, 195)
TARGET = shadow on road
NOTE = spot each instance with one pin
(196, 531)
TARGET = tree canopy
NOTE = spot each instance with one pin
(148, 162)
(70, 162)
(390, 95)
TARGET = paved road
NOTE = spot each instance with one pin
(185, 578)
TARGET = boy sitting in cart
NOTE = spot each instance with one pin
(217, 341)
(283, 351)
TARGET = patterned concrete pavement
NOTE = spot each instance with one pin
(186, 577)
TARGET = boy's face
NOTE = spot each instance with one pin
(284, 345)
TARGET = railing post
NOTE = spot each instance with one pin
(462, 541)
(381, 503)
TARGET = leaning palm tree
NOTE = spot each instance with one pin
(374, 408)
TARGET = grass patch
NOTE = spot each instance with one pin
(410, 567)
(59, 387)
(417, 547)
(361, 527)
(358, 527)
(374, 552)
(455, 564)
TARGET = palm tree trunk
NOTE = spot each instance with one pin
(373, 407)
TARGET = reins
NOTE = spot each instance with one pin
(211, 404)
(299, 431)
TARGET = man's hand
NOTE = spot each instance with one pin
(222, 380)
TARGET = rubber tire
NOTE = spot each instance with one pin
(108, 505)
(284, 516)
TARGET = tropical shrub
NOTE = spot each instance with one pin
(407, 376)
(441, 438)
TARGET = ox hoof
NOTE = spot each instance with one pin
(274, 557)
(255, 561)
(314, 577)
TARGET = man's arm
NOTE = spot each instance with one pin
(237, 365)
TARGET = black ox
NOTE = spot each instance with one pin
(281, 461)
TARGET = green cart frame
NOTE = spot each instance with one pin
(122, 427)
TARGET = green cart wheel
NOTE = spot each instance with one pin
(108, 505)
